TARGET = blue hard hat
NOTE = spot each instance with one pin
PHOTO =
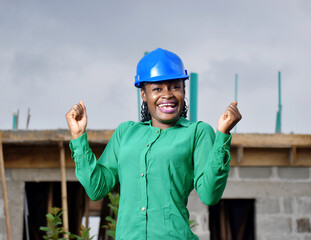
(159, 65)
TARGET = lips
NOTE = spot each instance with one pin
(167, 107)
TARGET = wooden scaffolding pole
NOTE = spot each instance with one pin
(87, 211)
(50, 197)
(64, 188)
(4, 191)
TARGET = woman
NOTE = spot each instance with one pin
(159, 160)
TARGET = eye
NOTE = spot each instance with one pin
(156, 89)
(176, 87)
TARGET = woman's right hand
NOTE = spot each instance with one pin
(77, 119)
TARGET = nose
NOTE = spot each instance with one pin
(167, 93)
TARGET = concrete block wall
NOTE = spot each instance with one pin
(15, 181)
(199, 213)
(282, 199)
(15, 193)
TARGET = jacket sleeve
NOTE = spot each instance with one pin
(97, 177)
(211, 163)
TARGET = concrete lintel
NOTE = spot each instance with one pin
(256, 189)
(42, 174)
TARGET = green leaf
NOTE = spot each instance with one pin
(111, 233)
(50, 216)
(192, 223)
(110, 219)
(46, 229)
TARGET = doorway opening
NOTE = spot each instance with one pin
(232, 219)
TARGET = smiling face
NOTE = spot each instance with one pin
(165, 101)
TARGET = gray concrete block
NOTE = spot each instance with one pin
(2, 208)
(15, 193)
(201, 219)
(275, 225)
(288, 205)
(2, 225)
(283, 237)
(255, 172)
(293, 172)
(195, 204)
(204, 236)
(205, 222)
(268, 205)
(16, 190)
(3, 236)
(2, 229)
(260, 237)
(304, 205)
(303, 225)
(233, 173)
(8, 175)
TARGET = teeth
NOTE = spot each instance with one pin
(167, 105)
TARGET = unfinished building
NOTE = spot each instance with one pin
(268, 195)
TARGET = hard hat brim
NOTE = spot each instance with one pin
(161, 79)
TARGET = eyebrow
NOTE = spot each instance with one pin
(166, 81)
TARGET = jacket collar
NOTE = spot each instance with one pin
(181, 122)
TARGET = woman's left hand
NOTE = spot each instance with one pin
(229, 119)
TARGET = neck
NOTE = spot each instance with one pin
(162, 125)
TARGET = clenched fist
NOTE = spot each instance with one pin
(77, 119)
(229, 119)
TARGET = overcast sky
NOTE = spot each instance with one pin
(54, 53)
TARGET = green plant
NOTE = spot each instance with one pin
(84, 234)
(112, 222)
(54, 229)
(192, 223)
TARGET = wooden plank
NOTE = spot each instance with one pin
(303, 156)
(64, 189)
(104, 136)
(271, 139)
(40, 156)
(87, 210)
(34, 156)
(234, 156)
(240, 153)
(46, 136)
(222, 219)
(4, 192)
(50, 198)
(266, 157)
(293, 155)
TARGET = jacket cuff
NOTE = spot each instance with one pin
(222, 141)
(79, 146)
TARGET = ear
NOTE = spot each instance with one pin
(143, 95)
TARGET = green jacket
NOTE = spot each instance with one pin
(157, 169)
